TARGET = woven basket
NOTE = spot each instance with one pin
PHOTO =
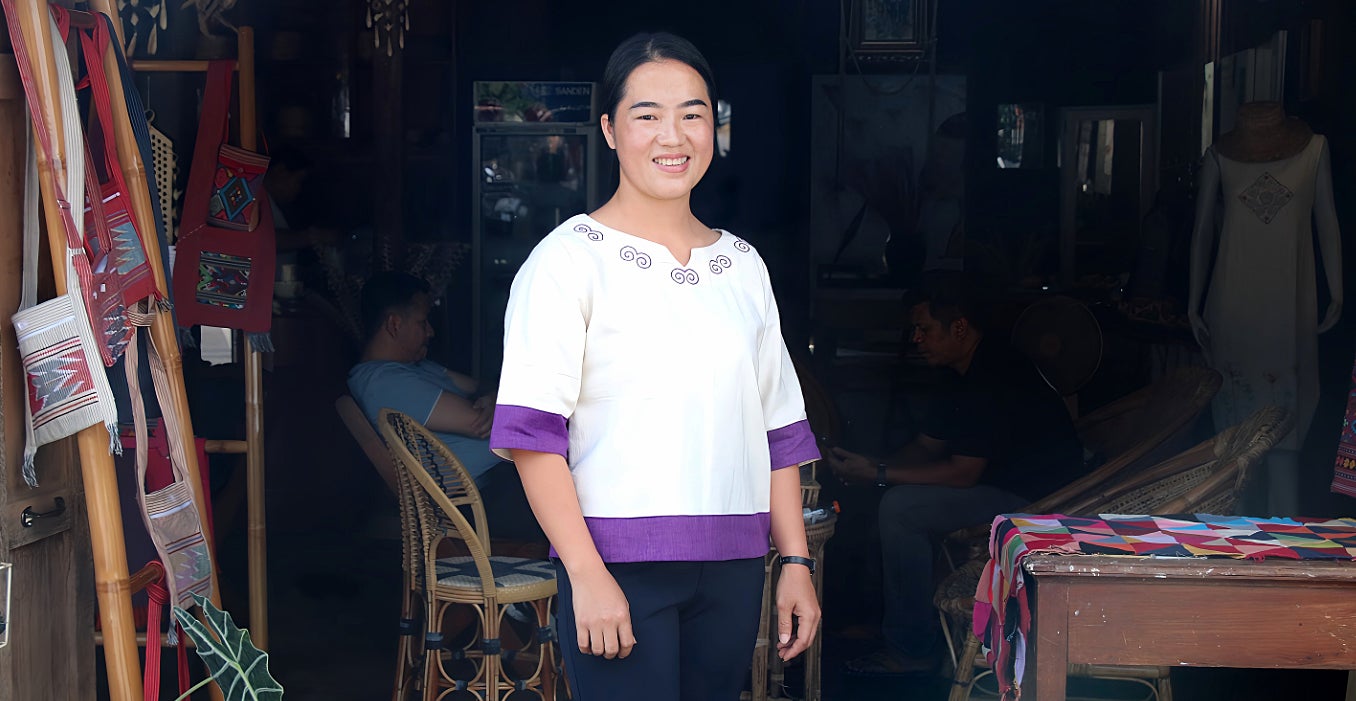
(809, 494)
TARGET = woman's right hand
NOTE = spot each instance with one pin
(602, 616)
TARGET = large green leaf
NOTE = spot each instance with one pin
(239, 668)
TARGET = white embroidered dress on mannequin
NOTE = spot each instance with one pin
(1259, 323)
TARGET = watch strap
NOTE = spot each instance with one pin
(798, 560)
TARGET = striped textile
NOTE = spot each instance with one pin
(508, 571)
(1344, 472)
(1002, 609)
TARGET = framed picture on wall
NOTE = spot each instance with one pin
(888, 26)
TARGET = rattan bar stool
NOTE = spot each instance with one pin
(438, 494)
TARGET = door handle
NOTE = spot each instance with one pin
(29, 515)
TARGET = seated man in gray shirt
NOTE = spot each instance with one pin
(395, 373)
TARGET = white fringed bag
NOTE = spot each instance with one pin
(67, 390)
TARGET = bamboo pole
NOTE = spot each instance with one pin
(162, 330)
(154, 66)
(254, 391)
(111, 578)
(219, 447)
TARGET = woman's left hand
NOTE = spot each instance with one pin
(796, 599)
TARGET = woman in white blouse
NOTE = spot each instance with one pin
(650, 404)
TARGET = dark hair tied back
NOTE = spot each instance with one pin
(649, 48)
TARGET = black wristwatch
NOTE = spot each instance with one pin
(798, 560)
(881, 481)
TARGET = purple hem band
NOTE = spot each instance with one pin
(524, 428)
(680, 538)
(792, 446)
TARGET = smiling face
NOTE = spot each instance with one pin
(663, 132)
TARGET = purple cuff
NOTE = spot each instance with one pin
(524, 428)
(790, 446)
(680, 538)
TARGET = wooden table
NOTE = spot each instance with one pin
(1206, 612)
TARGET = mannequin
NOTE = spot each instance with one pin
(1254, 307)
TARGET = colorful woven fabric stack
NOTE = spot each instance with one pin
(1002, 612)
(1344, 477)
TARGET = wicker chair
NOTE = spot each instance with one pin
(367, 439)
(1205, 479)
(1151, 423)
(437, 495)
(1139, 430)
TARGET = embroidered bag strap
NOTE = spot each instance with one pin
(28, 296)
(157, 598)
(212, 127)
(136, 112)
(104, 293)
(171, 515)
(117, 224)
(161, 203)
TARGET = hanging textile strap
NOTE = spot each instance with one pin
(106, 284)
(158, 596)
(28, 296)
(105, 293)
(67, 389)
(171, 514)
(129, 261)
(213, 127)
(136, 112)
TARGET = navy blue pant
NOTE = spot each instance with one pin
(695, 624)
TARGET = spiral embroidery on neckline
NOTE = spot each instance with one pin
(720, 264)
(685, 276)
(629, 253)
(741, 245)
(592, 233)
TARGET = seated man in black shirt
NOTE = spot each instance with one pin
(996, 438)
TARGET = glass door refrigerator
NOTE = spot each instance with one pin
(535, 154)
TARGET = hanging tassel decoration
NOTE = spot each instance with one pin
(390, 18)
(142, 22)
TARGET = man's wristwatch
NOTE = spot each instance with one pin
(798, 560)
(880, 475)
